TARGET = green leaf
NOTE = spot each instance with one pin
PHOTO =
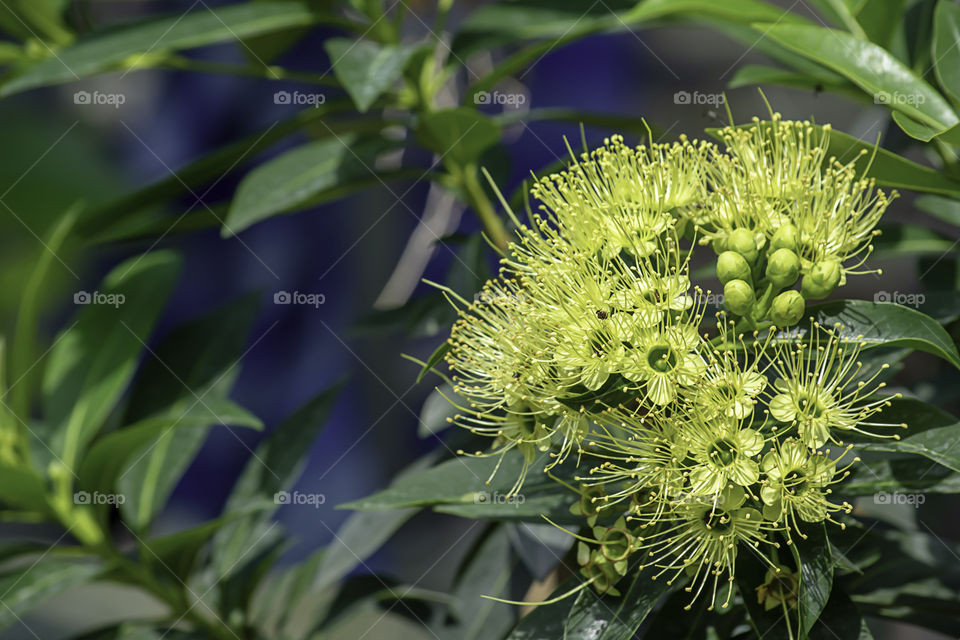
(360, 535)
(367, 69)
(911, 239)
(486, 572)
(841, 620)
(812, 555)
(435, 358)
(176, 554)
(497, 24)
(237, 589)
(945, 209)
(876, 324)
(841, 13)
(23, 351)
(191, 177)
(23, 489)
(868, 66)
(195, 363)
(740, 11)
(152, 472)
(459, 487)
(931, 432)
(293, 179)
(918, 130)
(908, 475)
(277, 600)
(275, 466)
(530, 506)
(458, 135)
(45, 16)
(616, 618)
(93, 360)
(757, 74)
(136, 44)
(27, 587)
(110, 454)
(356, 540)
(436, 409)
(946, 39)
(880, 19)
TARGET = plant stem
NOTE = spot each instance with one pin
(492, 224)
(270, 72)
(175, 598)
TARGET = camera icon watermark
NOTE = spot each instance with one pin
(898, 98)
(99, 98)
(515, 99)
(914, 300)
(485, 497)
(111, 299)
(913, 499)
(698, 98)
(299, 98)
(297, 498)
(310, 299)
(98, 498)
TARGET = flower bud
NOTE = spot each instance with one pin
(784, 238)
(742, 242)
(719, 245)
(738, 296)
(787, 308)
(732, 266)
(783, 268)
(821, 280)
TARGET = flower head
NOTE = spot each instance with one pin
(819, 390)
(796, 483)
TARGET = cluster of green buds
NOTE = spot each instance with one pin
(758, 284)
(689, 440)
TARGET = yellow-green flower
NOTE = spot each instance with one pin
(796, 482)
(723, 452)
(666, 360)
(819, 389)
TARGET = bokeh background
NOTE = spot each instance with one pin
(55, 152)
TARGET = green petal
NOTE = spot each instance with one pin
(660, 390)
(745, 472)
(782, 408)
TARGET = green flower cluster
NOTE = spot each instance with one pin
(693, 439)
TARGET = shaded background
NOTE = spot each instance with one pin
(55, 152)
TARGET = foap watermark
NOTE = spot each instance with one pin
(485, 497)
(698, 98)
(296, 297)
(914, 300)
(99, 98)
(898, 97)
(488, 297)
(86, 497)
(87, 297)
(299, 98)
(913, 499)
(707, 299)
(514, 99)
(297, 498)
